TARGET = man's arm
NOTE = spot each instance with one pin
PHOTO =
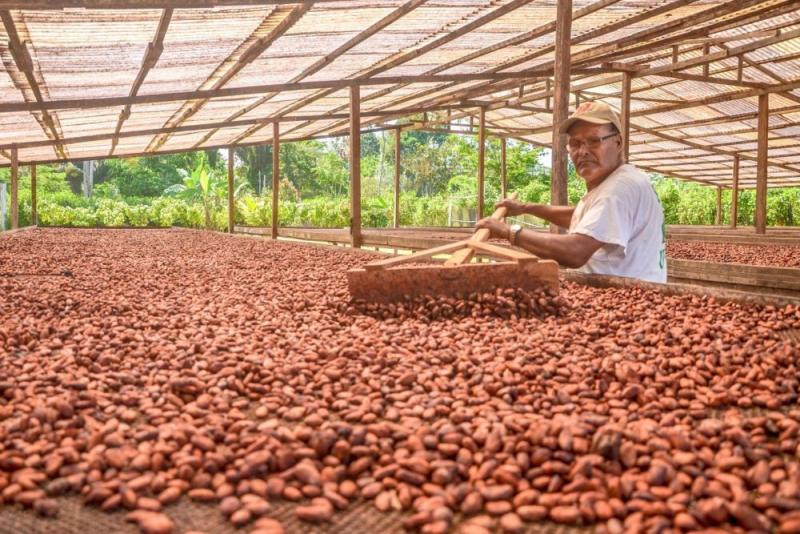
(559, 215)
(572, 250)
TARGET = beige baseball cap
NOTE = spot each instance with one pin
(595, 112)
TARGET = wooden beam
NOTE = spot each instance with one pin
(762, 161)
(718, 214)
(355, 166)
(249, 90)
(625, 115)
(398, 133)
(481, 161)
(194, 127)
(14, 188)
(739, 68)
(231, 204)
(28, 83)
(713, 80)
(276, 176)
(503, 169)
(34, 211)
(706, 51)
(561, 80)
(151, 55)
(735, 192)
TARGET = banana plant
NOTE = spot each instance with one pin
(206, 186)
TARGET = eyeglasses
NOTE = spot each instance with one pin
(591, 143)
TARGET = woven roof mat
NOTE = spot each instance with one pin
(74, 518)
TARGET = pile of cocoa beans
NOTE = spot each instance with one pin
(768, 255)
(504, 302)
(178, 364)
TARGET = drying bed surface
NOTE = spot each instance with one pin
(766, 255)
(141, 368)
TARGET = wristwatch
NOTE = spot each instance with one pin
(513, 232)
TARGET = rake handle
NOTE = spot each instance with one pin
(499, 214)
(465, 254)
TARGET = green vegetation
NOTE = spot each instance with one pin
(438, 187)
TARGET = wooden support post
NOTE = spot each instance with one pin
(547, 89)
(675, 53)
(625, 115)
(276, 176)
(14, 188)
(503, 169)
(231, 205)
(397, 135)
(34, 212)
(739, 68)
(706, 51)
(761, 161)
(481, 160)
(355, 166)
(735, 192)
(558, 184)
(718, 214)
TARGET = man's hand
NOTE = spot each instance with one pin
(514, 207)
(496, 228)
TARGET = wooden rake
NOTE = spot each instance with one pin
(390, 280)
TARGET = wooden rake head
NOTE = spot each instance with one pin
(390, 280)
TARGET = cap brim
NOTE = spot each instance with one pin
(567, 124)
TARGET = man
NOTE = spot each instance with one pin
(617, 227)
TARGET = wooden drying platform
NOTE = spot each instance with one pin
(774, 281)
(739, 236)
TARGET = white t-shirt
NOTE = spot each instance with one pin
(624, 213)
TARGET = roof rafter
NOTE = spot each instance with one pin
(151, 56)
(384, 114)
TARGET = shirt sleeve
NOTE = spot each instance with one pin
(606, 220)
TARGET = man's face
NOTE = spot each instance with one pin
(594, 150)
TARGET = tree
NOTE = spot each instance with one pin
(257, 166)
